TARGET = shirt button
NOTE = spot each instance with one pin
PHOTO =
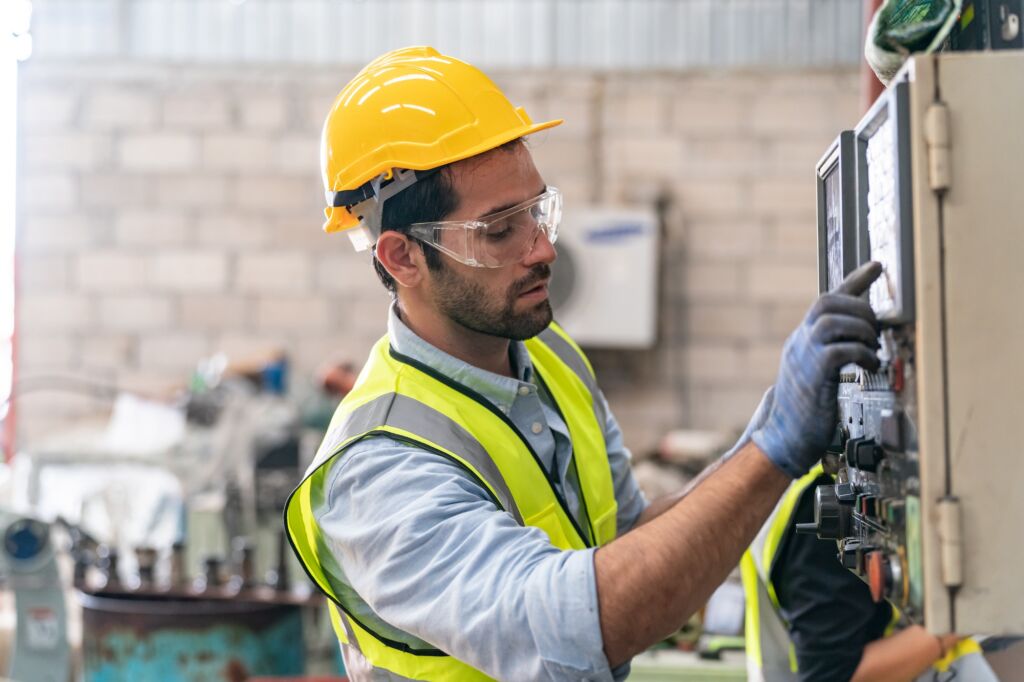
(524, 390)
(536, 427)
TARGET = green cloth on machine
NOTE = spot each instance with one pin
(902, 27)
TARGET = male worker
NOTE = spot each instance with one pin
(809, 619)
(471, 512)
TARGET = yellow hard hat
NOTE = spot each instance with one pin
(413, 109)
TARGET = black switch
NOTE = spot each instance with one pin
(867, 455)
(851, 450)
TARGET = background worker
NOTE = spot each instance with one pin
(810, 619)
(471, 512)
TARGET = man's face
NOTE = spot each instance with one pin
(510, 301)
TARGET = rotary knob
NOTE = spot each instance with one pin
(827, 513)
(831, 515)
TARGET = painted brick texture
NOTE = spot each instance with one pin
(174, 212)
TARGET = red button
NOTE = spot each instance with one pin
(876, 575)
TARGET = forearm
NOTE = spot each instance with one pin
(650, 580)
(899, 658)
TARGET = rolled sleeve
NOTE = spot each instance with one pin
(431, 553)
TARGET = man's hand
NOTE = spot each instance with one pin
(840, 328)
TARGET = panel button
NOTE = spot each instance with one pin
(890, 428)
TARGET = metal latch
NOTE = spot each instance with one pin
(950, 542)
(936, 135)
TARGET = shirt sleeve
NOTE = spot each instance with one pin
(628, 495)
(830, 611)
(427, 549)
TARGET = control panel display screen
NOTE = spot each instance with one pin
(833, 228)
(883, 221)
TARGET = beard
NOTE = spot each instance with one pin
(469, 305)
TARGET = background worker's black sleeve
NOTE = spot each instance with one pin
(829, 609)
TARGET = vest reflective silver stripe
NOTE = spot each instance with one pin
(413, 416)
(571, 357)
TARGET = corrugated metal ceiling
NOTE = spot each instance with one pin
(591, 34)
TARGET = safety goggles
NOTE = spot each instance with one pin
(498, 239)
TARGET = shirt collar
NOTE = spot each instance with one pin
(500, 390)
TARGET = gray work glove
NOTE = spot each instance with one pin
(840, 328)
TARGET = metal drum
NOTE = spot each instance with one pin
(162, 638)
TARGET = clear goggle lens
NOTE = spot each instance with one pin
(497, 240)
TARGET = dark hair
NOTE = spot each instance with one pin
(428, 200)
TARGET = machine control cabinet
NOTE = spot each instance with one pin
(926, 505)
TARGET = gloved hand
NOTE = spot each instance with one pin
(840, 328)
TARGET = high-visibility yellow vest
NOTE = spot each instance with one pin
(771, 656)
(404, 399)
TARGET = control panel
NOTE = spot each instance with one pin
(872, 512)
(926, 502)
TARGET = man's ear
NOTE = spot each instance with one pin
(401, 257)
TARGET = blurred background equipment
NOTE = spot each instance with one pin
(170, 513)
(39, 647)
(926, 499)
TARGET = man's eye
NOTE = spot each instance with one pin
(499, 231)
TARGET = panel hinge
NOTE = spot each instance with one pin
(950, 542)
(936, 135)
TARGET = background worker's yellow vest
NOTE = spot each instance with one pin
(401, 398)
(771, 656)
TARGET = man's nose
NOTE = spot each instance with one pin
(543, 250)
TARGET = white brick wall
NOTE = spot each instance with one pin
(149, 228)
(63, 151)
(46, 109)
(195, 111)
(297, 314)
(270, 273)
(214, 313)
(111, 271)
(264, 114)
(119, 109)
(167, 212)
(174, 350)
(57, 313)
(135, 313)
(191, 271)
(159, 152)
(248, 152)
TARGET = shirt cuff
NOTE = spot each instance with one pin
(567, 629)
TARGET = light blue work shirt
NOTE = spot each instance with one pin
(424, 546)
